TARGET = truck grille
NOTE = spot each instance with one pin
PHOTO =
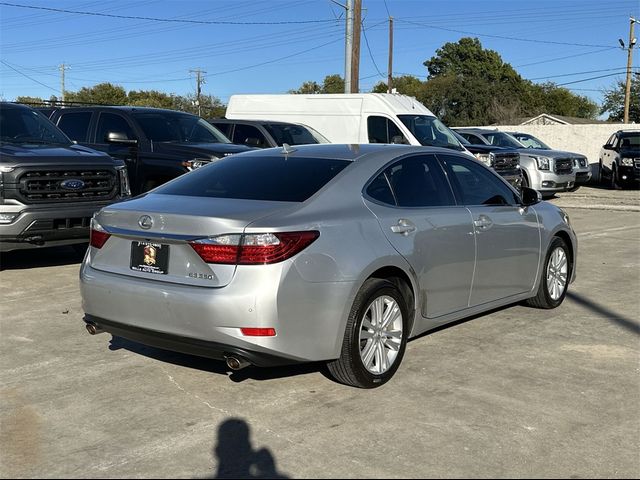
(505, 161)
(563, 166)
(636, 163)
(67, 185)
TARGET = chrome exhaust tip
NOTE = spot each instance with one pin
(236, 363)
(93, 329)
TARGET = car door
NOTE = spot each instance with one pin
(607, 154)
(417, 212)
(507, 235)
(112, 122)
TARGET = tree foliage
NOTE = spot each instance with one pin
(613, 103)
(102, 94)
(331, 84)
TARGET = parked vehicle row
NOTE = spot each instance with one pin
(548, 171)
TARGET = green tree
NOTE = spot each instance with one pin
(308, 87)
(103, 94)
(332, 84)
(406, 85)
(30, 100)
(150, 98)
(613, 103)
(211, 107)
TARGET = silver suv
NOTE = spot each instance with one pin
(548, 171)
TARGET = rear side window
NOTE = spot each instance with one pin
(75, 125)
(291, 134)
(276, 178)
(225, 128)
(249, 135)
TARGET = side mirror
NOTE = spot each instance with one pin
(530, 196)
(608, 147)
(120, 138)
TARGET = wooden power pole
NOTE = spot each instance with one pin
(627, 92)
(355, 55)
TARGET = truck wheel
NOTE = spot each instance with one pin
(555, 276)
(613, 184)
(375, 337)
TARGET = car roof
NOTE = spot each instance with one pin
(126, 108)
(256, 122)
(475, 130)
(350, 152)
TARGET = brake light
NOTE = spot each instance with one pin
(98, 236)
(258, 332)
(254, 248)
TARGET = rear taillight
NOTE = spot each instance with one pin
(98, 235)
(258, 332)
(253, 248)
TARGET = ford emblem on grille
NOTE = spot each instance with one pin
(145, 222)
(72, 184)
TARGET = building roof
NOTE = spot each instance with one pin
(549, 119)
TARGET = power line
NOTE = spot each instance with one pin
(575, 73)
(503, 37)
(166, 20)
(366, 40)
(565, 57)
(593, 78)
(27, 76)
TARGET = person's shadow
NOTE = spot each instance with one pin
(236, 457)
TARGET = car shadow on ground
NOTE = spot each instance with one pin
(217, 366)
(42, 257)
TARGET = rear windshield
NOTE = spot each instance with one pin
(273, 178)
(291, 134)
(178, 127)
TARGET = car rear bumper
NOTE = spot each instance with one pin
(308, 317)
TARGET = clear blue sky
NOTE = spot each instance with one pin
(544, 40)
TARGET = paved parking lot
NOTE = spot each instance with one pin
(514, 393)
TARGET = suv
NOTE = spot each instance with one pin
(548, 171)
(266, 134)
(580, 162)
(620, 159)
(504, 161)
(49, 187)
(156, 144)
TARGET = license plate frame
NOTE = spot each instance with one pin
(149, 257)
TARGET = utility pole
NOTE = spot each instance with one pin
(390, 68)
(62, 68)
(199, 82)
(348, 45)
(627, 93)
(355, 53)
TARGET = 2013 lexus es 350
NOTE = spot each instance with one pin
(336, 253)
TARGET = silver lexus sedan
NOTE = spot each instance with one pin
(336, 253)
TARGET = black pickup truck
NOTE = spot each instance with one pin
(156, 144)
(49, 187)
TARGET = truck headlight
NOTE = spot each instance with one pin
(580, 162)
(123, 178)
(195, 163)
(484, 158)
(6, 218)
(627, 162)
(543, 162)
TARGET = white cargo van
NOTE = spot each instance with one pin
(350, 118)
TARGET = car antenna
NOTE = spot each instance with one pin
(287, 149)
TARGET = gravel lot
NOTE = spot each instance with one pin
(517, 392)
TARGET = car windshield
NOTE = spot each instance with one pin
(24, 126)
(293, 134)
(178, 127)
(501, 139)
(530, 141)
(630, 140)
(430, 131)
(257, 177)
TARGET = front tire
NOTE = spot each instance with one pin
(555, 276)
(375, 337)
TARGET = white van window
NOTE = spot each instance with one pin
(383, 130)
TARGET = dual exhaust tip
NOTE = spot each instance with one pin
(234, 362)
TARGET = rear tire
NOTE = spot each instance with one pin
(375, 337)
(555, 276)
(613, 184)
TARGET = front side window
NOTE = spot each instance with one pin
(430, 131)
(249, 135)
(530, 141)
(225, 128)
(257, 177)
(478, 185)
(416, 181)
(383, 130)
(110, 122)
(75, 125)
(473, 139)
(25, 126)
(178, 127)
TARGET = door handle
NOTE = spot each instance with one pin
(483, 222)
(403, 227)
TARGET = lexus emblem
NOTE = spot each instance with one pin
(145, 222)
